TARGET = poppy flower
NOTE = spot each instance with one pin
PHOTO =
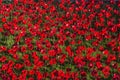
(106, 71)
(52, 61)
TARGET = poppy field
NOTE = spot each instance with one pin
(60, 40)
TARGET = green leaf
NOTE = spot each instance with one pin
(0, 78)
(10, 41)
(89, 77)
(20, 54)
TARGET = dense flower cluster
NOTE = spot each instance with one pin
(60, 40)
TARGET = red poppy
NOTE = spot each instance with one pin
(106, 71)
(99, 65)
(52, 61)
(4, 20)
(52, 53)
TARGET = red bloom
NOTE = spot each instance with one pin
(52, 52)
(46, 57)
(27, 63)
(88, 37)
(40, 64)
(62, 59)
(99, 65)
(18, 66)
(1, 29)
(31, 72)
(4, 20)
(70, 53)
(54, 74)
(2, 59)
(68, 49)
(106, 71)
(83, 73)
(119, 69)
(52, 61)
(15, 2)
(23, 49)
(39, 75)
(105, 52)
(3, 48)
(4, 67)
(0, 2)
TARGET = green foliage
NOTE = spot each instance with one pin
(9, 41)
